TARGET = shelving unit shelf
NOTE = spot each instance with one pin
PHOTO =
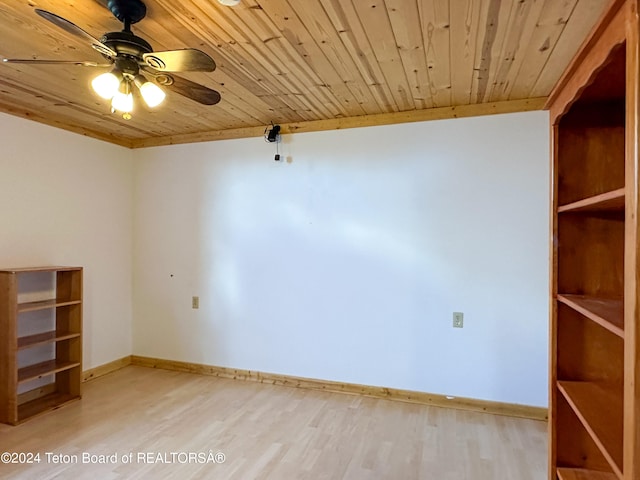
(601, 414)
(594, 423)
(44, 338)
(607, 312)
(608, 201)
(44, 305)
(582, 474)
(41, 340)
(43, 369)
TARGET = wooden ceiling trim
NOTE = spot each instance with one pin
(61, 84)
(436, 28)
(440, 113)
(208, 136)
(47, 104)
(58, 116)
(18, 111)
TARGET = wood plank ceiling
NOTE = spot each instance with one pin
(305, 64)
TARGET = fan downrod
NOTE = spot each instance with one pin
(127, 11)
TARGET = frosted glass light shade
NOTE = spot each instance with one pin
(106, 85)
(229, 3)
(122, 102)
(152, 94)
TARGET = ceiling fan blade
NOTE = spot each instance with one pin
(72, 28)
(187, 60)
(56, 62)
(187, 88)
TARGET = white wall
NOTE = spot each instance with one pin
(346, 261)
(67, 200)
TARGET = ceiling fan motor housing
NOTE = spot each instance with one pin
(126, 43)
(127, 66)
(127, 11)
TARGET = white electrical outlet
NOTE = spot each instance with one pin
(195, 302)
(458, 320)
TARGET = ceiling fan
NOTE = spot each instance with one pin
(129, 56)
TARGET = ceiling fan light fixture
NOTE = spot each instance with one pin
(229, 3)
(123, 99)
(151, 93)
(123, 102)
(106, 85)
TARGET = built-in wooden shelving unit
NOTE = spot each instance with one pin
(29, 384)
(594, 432)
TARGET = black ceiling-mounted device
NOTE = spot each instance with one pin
(273, 134)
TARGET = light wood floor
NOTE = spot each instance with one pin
(269, 432)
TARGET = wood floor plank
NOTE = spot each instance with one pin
(268, 432)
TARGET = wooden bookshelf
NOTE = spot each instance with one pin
(594, 389)
(39, 386)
